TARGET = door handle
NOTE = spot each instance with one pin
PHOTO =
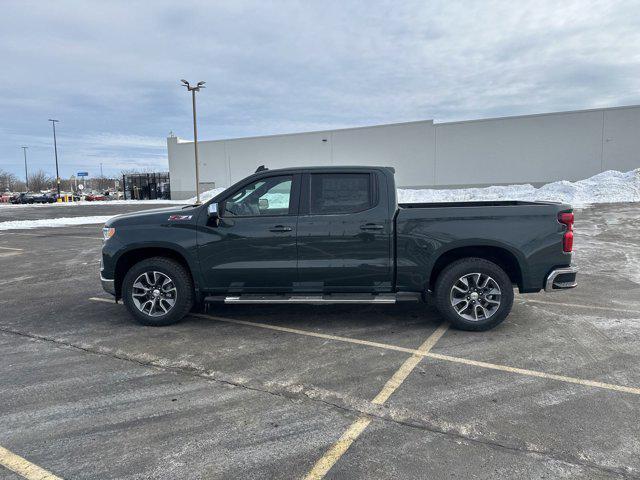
(280, 228)
(371, 226)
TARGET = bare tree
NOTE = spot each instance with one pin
(39, 180)
(7, 181)
(103, 183)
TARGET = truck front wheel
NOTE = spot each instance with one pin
(157, 291)
(474, 294)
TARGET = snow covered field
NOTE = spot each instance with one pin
(606, 187)
(53, 222)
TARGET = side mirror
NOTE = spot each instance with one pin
(212, 210)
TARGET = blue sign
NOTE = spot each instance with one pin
(83, 174)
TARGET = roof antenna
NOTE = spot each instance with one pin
(261, 168)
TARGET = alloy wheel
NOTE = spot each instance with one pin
(475, 296)
(154, 293)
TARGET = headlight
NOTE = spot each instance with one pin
(107, 233)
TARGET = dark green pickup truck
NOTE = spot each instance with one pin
(330, 235)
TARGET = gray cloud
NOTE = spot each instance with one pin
(110, 70)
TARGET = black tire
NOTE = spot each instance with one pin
(445, 294)
(179, 276)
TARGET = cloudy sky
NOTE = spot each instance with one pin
(109, 71)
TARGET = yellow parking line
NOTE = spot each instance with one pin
(577, 305)
(24, 467)
(447, 358)
(535, 373)
(100, 299)
(308, 333)
(338, 449)
(407, 367)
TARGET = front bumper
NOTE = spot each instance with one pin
(561, 279)
(108, 285)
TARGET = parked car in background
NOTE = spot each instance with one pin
(22, 198)
(95, 197)
(48, 197)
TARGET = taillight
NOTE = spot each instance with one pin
(566, 218)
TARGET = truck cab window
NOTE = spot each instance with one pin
(334, 193)
(267, 196)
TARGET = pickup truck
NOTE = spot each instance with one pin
(327, 235)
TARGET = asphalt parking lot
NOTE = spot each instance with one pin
(295, 391)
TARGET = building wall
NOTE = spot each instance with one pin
(526, 149)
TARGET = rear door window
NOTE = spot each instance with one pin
(334, 193)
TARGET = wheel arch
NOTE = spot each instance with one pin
(131, 257)
(501, 256)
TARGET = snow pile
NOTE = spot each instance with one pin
(53, 222)
(606, 187)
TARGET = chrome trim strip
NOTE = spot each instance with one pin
(548, 286)
(308, 299)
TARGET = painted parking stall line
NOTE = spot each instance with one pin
(24, 467)
(338, 449)
(535, 373)
(526, 301)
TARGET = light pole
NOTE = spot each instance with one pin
(26, 175)
(193, 91)
(55, 148)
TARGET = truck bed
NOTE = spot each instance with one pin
(528, 231)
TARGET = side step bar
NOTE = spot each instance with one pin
(247, 299)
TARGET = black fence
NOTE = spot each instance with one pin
(146, 186)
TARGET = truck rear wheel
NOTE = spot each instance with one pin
(157, 291)
(474, 294)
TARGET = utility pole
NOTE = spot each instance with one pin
(193, 91)
(26, 174)
(55, 148)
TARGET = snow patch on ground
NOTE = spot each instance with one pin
(100, 203)
(53, 222)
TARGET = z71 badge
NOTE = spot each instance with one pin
(177, 218)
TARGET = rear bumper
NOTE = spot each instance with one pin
(108, 285)
(561, 279)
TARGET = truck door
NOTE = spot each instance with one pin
(344, 233)
(252, 246)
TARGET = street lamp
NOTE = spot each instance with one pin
(193, 91)
(55, 148)
(26, 175)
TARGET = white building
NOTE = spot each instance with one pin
(524, 149)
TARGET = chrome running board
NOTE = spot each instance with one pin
(304, 299)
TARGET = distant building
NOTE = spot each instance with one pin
(146, 186)
(523, 149)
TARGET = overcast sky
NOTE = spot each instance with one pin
(109, 70)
